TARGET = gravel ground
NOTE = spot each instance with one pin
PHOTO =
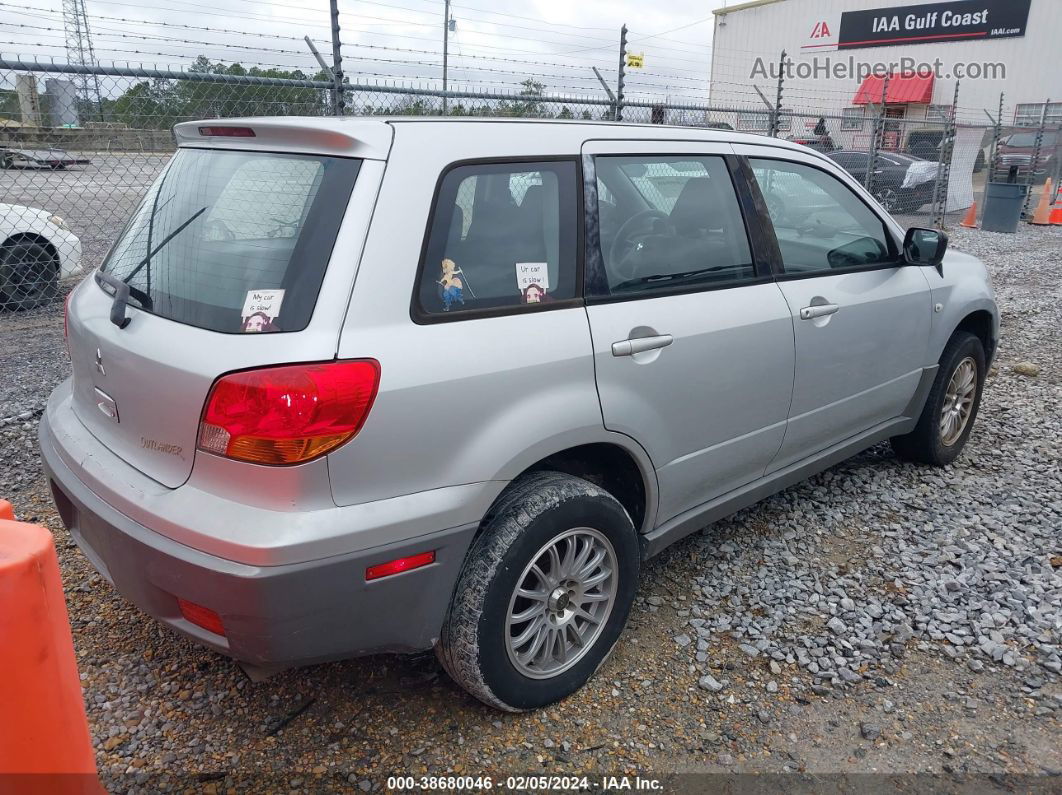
(879, 619)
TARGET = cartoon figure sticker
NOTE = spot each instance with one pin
(452, 285)
(260, 310)
(533, 294)
(532, 279)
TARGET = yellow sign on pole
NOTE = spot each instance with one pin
(635, 61)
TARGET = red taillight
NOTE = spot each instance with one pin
(201, 616)
(399, 566)
(290, 414)
(228, 132)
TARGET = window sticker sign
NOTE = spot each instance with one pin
(532, 279)
(929, 22)
(260, 310)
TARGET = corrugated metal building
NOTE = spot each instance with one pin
(992, 45)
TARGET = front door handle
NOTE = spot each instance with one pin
(641, 345)
(818, 310)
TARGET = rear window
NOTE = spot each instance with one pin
(235, 242)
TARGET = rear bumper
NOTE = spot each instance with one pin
(289, 614)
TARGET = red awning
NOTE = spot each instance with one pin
(916, 88)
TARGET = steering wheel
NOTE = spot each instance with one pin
(627, 238)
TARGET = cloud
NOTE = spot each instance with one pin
(494, 47)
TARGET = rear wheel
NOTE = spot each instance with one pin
(29, 274)
(951, 408)
(544, 594)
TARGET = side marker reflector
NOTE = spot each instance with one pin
(400, 565)
(201, 616)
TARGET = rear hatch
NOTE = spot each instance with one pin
(225, 261)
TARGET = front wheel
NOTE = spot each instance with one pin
(951, 407)
(544, 594)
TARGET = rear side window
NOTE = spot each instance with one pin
(503, 236)
(235, 241)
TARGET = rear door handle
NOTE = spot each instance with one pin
(818, 310)
(641, 344)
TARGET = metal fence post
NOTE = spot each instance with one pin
(446, 51)
(337, 60)
(944, 156)
(997, 133)
(1035, 158)
(776, 111)
(875, 139)
(622, 73)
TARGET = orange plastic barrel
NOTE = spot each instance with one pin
(44, 738)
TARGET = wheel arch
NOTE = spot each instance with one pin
(981, 324)
(618, 465)
(32, 237)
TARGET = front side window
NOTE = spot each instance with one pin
(820, 224)
(670, 223)
(503, 235)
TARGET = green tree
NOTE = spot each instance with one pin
(160, 103)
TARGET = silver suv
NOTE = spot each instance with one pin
(347, 386)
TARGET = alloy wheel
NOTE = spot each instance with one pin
(561, 603)
(958, 401)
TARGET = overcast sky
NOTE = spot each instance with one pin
(496, 43)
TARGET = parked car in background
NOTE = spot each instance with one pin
(36, 251)
(39, 158)
(925, 145)
(901, 183)
(350, 386)
(820, 143)
(1018, 149)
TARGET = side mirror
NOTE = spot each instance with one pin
(925, 247)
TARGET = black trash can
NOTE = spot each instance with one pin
(1003, 203)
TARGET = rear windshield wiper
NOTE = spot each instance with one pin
(122, 292)
(666, 277)
(122, 288)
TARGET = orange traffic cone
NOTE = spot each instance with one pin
(1042, 216)
(970, 221)
(44, 738)
(1056, 208)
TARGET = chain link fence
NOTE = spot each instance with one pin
(79, 147)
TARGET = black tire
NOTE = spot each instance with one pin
(29, 274)
(925, 444)
(473, 645)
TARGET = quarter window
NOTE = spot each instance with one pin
(820, 224)
(503, 236)
(671, 224)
